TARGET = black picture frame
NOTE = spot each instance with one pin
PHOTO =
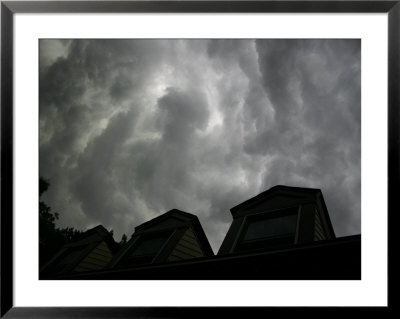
(9, 8)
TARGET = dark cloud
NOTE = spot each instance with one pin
(132, 128)
(314, 87)
(182, 113)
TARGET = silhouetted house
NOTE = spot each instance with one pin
(92, 250)
(281, 216)
(282, 233)
(173, 236)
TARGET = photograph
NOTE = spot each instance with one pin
(199, 159)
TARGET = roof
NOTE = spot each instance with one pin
(335, 259)
(172, 220)
(180, 218)
(300, 194)
(95, 234)
(273, 191)
(89, 239)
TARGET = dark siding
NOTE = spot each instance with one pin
(305, 233)
(97, 259)
(319, 233)
(187, 247)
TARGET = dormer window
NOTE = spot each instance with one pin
(171, 237)
(146, 247)
(92, 250)
(267, 229)
(67, 258)
(70, 256)
(281, 216)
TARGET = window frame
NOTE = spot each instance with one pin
(132, 260)
(52, 265)
(242, 245)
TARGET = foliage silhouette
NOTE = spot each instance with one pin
(123, 241)
(51, 238)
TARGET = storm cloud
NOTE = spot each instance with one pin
(130, 129)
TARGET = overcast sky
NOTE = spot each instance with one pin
(130, 129)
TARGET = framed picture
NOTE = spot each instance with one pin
(195, 108)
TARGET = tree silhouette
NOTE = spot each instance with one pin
(123, 241)
(51, 238)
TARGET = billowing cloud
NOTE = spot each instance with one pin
(130, 129)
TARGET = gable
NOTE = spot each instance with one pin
(264, 215)
(188, 247)
(86, 240)
(274, 201)
(98, 258)
(171, 222)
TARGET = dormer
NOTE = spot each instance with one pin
(92, 250)
(173, 236)
(279, 217)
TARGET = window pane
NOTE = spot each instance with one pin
(271, 227)
(150, 245)
(70, 256)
